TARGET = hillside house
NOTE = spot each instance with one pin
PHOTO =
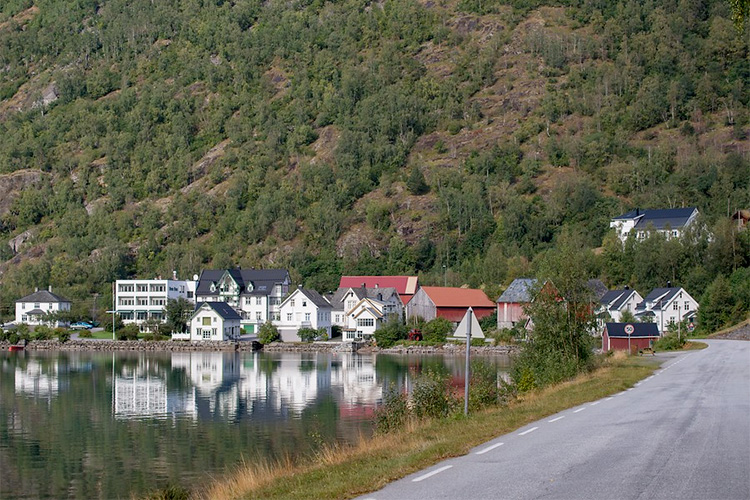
(34, 309)
(406, 286)
(216, 321)
(670, 222)
(665, 306)
(256, 294)
(304, 308)
(432, 302)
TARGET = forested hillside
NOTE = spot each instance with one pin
(458, 139)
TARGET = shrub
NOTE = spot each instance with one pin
(307, 334)
(669, 343)
(42, 332)
(393, 413)
(13, 338)
(85, 334)
(129, 332)
(483, 385)
(388, 334)
(437, 330)
(268, 333)
(63, 336)
(430, 395)
(322, 334)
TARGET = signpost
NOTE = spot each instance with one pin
(629, 329)
(468, 324)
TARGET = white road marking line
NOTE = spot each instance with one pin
(630, 389)
(594, 403)
(489, 448)
(556, 419)
(611, 397)
(530, 430)
(579, 409)
(430, 474)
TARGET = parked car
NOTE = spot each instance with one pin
(81, 325)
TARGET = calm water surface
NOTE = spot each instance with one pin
(104, 425)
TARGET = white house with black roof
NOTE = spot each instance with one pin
(670, 222)
(304, 308)
(615, 303)
(665, 306)
(215, 321)
(255, 294)
(34, 309)
(346, 298)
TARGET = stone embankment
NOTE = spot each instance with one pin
(741, 333)
(133, 345)
(447, 349)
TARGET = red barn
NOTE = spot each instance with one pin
(406, 286)
(432, 302)
(618, 336)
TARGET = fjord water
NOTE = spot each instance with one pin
(114, 425)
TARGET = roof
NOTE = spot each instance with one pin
(262, 280)
(659, 297)
(337, 299)
(43, 296)
(614, 299)
(519, 290)
(597, 288)
(659, 218)
(222, 309)
(405, 285)
(615, 330)
(312, 295)
(457, 297)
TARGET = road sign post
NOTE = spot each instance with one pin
(470, 312)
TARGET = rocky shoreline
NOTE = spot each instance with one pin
(249, 346)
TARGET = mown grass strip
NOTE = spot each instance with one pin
(346, 472)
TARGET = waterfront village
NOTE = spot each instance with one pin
(229, 304)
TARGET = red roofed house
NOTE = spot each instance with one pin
(406, 286)
(432, 302)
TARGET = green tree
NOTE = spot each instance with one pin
(416, 183)
(390, 333)
(307, 334)
(437, 330)
(178, 312)
(268, 333)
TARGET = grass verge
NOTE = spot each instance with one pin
(346, 472)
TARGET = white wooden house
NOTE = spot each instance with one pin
(212, 321)
(364, 318)
(615, 303)
(304, 308)
(345, 299)
(36, 308)
(667, 305)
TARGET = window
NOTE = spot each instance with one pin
(206, 321)
(126, 288)
(157, 288)
(206, 333)
(674, 233)
(141, 301)
(291, 302)
(36, 305)
(687, 305)
(676, 306)
(24, 318)
(289, 316)
(366, 322)
(141, 288)
(350, 304)
(276, 316)
(247, 301)
(141, 316)
(304, 303)
(258, 316)
(307, 317)
(338, 318)
(258, 301)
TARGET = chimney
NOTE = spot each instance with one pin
(377, 286)
(637, 211)
(49, 288)
(627, 287)
(364, 285)
(299, 287)
(174, 275)
(36, 288)
(669, 284)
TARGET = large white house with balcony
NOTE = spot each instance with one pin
(35, 309)
(671, 222)
(304, 308)
(255, 294)
(142, 301)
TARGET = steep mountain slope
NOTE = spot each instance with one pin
(454, 139)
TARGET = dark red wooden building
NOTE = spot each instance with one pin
(618, 336)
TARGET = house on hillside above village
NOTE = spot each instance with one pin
(304, 308)
(629, 336)
(512, 301)
(256, 294)
(216, 321)
(741, 218)
(670, 222)
(616, 302)
(345, 299)
(35, 308)
(406, 286)
(432, 302)
(140, 301)
(665, 306)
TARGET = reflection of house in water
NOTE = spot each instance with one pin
(215, 376)
(355, 377)
(39, 378)
(140, 392)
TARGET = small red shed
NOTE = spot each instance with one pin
(618, 336)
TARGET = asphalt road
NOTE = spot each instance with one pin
(683, 433)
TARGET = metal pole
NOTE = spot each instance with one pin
(468, 351)
(114, 308)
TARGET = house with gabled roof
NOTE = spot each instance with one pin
(616, 302)
(406, 286)
(451, 303)
(629, 336)
(214, 321)
(304, 308)
(670, 222)
(511, 303)
(34, 309)
(255, 294)
(364, 318)
(345, 299)
(665, 306)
